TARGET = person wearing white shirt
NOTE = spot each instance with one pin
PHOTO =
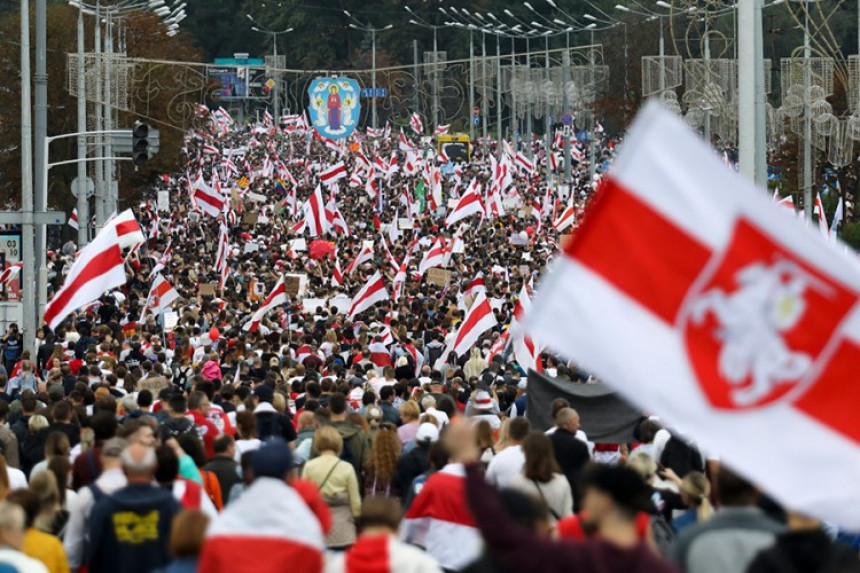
(510, 461)
(12, 521)
(111, 479)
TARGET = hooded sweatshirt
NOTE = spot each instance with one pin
(356, 444)
(130, 529)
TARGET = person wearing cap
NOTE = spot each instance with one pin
(482, 406)
(416, 461)
(271, 527)
(613, 497)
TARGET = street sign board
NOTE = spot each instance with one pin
(567, 119)
(10, 252)
(374, 92)
(89, 185)
(566, 131)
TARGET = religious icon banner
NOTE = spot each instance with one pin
(334, 106)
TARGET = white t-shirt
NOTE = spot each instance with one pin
(505, 465)
(17, 479)
(495, 422)
(243, 446)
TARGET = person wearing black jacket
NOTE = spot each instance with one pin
(571, 452)
(129, 530)
(270, 422)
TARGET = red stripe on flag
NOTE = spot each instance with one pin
(126, 227)
(833, 397)
(472, 320)
(101, 264)
(638, 250)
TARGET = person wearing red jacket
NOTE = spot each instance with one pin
(198, 408)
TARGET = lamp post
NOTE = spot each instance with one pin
(416, 20)
(357, 25)
(276, 96)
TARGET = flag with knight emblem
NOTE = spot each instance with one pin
(692, 294)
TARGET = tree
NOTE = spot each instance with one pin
(145, 36)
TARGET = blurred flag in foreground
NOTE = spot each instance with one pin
(697, 298)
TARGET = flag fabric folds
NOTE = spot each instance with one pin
(276, 298)
(371, 293)
(700, 301)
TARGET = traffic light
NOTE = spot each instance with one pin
(139, 144)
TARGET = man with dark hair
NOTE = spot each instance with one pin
(356, 442)
(8, 439)
(510, 461)
(177, 423)
(28, 408)
(270, 422)
(144, 402)
(61, 413)
(88, 466)
(389, 412)
(733, 537)
(223, 464)
(198, 409)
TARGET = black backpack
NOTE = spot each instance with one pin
(681, 457)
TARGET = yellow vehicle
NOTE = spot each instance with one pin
(457, 146)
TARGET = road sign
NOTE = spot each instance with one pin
(88, 185)
(270, 83)
(476, 110)
(374, 92)
(567, 119)
(39, 218)
(10, 249)
(566, 131)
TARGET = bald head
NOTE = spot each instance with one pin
(568, 419)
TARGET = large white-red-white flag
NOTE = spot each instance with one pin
(469, 204)
(333, 173)
(276, 298)
(699, 300)
(526, 350)
(98, 268)
(365, 254)
(161, 296)
(372, 292)
(479, 319)
(208, 199)
(315, 220)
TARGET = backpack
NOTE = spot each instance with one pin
(681, 457)
(434, 352)
(346, 454)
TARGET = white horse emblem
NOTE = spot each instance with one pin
(769, 302)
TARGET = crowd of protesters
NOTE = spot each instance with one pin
(322, 442)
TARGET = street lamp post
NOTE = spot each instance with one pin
(357, 25)
(276, 95)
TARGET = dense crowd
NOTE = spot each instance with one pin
(186, 440)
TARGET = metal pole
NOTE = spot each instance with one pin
(498, 67)
(592, 155)
(548, 119)
(515, 127)
(472, 87)
(435, 82)
(40, 123)
(760, 101)
(484, 98)
(416, 74)
(807, 122)
(83, 204)
(662, 63)
(746, 87)
(706, 129)
(528, 138)
(277, 94)
(111, 195)
(565, 62)
(27, 247)
(626, 74)
(99, 126)
(373, 77)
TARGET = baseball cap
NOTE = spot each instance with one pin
(427, 432)
(274, 459)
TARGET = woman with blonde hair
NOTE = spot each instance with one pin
(338, 485)
(504, 439)
(484, 436)
(50, 519)
(409, 414)
(384, 453)
(695, 494)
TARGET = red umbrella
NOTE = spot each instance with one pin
(319, 249)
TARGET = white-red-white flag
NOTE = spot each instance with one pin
(315, 221)
(442, 129)
(683, 272)
(526, 350)
(416, 124)
(98, 268)
(566, 219)
(276, 298)
(73, 219)
(333, 173)
(363, 256)
(818, 211)
(475, 286)
(371, 293)
(434, 257)
(208, 199)
(10, 272)
(479, 319)
(524, 163)
(469, 204)
(161, 296)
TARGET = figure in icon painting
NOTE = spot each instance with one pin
(334, 106)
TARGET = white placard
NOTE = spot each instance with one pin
(340, 304)
(256, 197)
(251, 248)
(171, 319)
(311, 304)
(299, 244)
(367, 243)
(163, 202)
